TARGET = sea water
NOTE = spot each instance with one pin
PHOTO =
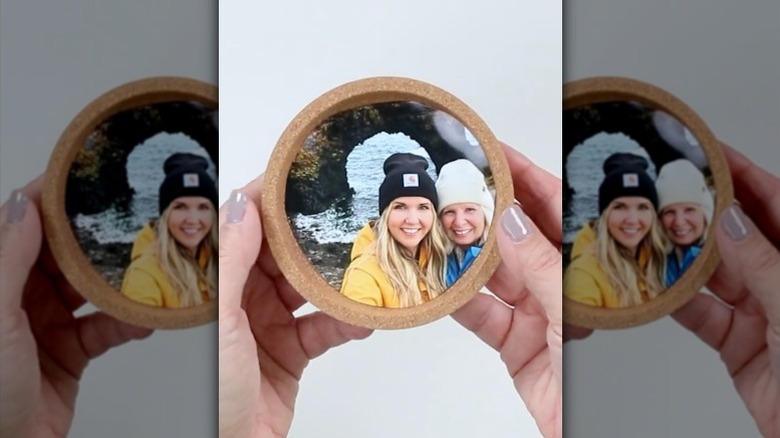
(584, 172)
(145, 175)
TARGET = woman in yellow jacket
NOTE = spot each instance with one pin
(172, 261)
(624, 264)
(400, 259)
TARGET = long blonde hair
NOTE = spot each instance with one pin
(622, 268)
(182, 267)
(403, 269)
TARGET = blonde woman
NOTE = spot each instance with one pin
(624, 265)
(174, 258)
(685, 207)
(399, 260)
(465, 210)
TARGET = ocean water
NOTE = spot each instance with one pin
(340, 224)
(584, 172)
(145, 174)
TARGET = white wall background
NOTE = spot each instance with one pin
(503, 59)
(55, 58)
(723, 59)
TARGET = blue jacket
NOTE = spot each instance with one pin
(455, 269)
(675, 267)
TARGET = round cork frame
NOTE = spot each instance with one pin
(290, 257)
(64, 246)
(611, 89)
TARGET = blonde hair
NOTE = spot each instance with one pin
(622, 268)
(182, 267)
(403, 269)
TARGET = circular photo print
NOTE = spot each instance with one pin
(141, 197)
(130, 202)
(638, 203)
(391, 202)
(379, 199)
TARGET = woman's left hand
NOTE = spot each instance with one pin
(526, 325)
(44, 348)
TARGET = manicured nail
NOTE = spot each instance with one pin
(236, 207)
(17, 205)
(516, 224)
(734, 224)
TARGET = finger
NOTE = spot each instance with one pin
(319, 333)
(707, 318)
(758, 191)
(240, 237)
(99, 332)
(487, 317)
(531, 262)
(753, 260)
(20, 244)
(539, 191)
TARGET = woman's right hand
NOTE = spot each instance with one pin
(743, 324)
(525, 324)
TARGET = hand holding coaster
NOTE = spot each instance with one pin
(644, 182)
(130, 200)
(355, 191)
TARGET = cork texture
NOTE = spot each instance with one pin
(607, 89)
(288, 253)
(66, 250)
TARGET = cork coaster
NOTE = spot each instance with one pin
(325, 133)
(87, 200)
(597, 112)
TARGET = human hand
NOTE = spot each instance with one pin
(263, 348)
(743, 324)
(44, 348)
(526, 328)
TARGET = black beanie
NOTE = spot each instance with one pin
(185, 175)
(626, 175)
(405, 175)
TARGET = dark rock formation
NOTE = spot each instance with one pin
(98, 176)
(318, 176)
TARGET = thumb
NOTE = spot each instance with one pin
(530, 262)
(751, 259)
(240, 237)
(20, 244)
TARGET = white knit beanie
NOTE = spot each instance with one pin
(461, 181)
(681, 181)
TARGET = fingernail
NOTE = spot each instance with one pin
(236, 207)
(734, 224)
(17, 205)
(516, 224)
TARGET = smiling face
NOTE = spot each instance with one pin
(190, 220)
(464, 223)
(409, 221)
(629, 220)
(683, 223)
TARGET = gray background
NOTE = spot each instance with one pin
(723, 59)
(55, 58)
(503, 59)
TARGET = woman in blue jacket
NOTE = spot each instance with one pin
(465, 211)
(685, 207)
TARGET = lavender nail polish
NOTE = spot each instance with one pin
(17, 205)
(236, 207)
(516, 224)
(734, 224)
